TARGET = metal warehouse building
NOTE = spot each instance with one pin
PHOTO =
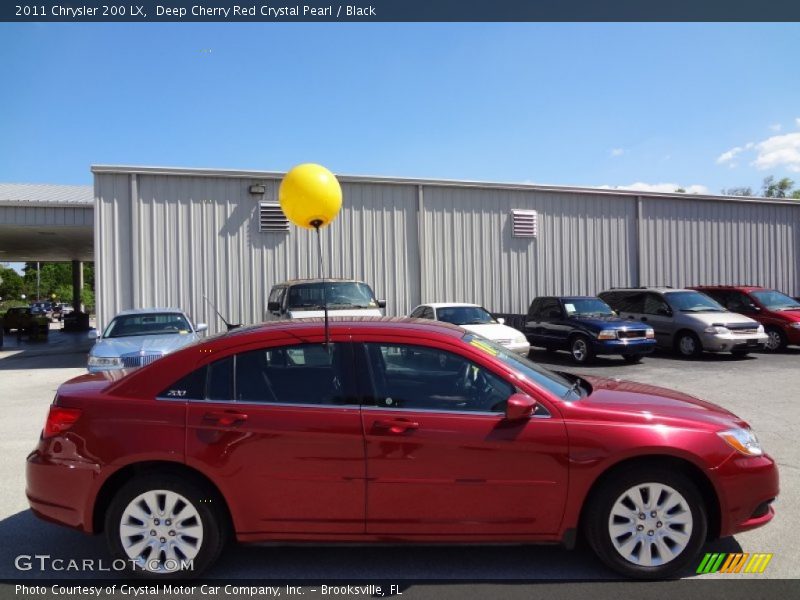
(167, 236)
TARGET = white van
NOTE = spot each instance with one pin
(304, 299)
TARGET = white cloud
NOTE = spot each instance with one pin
(797, 120)
(664, 188)
(779, 151)
(617, 152)
(776, 127)
(729, 155)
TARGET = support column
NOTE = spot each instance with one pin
(77, 285)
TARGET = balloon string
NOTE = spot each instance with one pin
(324, 291)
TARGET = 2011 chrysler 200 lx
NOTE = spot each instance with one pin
(396, 430)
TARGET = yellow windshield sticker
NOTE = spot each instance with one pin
(484, 346)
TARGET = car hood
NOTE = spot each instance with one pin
(111, 347)
(494, 331)
(347, 312)
(721, 318)
(652, 404)
(609, 322)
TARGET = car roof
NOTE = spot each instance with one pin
(318, 280)
(738, 288)
(661, 289)
(337, 325)
(448, 304)
(146, 311)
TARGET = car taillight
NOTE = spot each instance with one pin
(59, 419)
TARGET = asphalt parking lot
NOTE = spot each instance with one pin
(763, 389)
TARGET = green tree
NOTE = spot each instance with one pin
(738, 191)
(777, 189)
(11, 283)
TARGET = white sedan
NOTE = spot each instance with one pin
(476, 319)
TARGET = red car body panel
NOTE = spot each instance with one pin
(783, 320)
(362, 473)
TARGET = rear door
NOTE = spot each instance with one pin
(441, 457)
(658, 315)
(279, 430)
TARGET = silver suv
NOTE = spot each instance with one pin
(304, 299)
(687, 321)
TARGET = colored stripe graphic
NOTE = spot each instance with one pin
(738, 562)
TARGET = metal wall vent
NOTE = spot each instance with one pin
(525, 223)
(271, 217)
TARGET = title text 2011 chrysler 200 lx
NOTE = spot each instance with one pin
(397, 430)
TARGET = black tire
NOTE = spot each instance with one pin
(214, 524)
(580, 347)
(778, 340)
(598, 515)
(688, 345)
(632, 358)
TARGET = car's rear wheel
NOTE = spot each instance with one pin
(689, 345)
(632, 358)
(163, 527)
(776, 340)
(581, 349)
(648, 523)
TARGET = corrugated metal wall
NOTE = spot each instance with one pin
(190, 234)
(696, 242)
(585, 244)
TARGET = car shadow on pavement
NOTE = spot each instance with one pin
(30, 359)
(28, 537)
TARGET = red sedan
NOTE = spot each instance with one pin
(397, 430)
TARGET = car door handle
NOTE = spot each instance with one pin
(226, 418)
(395, 425)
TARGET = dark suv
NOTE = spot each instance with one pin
(777, 312)
(586, 327)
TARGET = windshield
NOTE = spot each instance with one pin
(537, 374)
(587, 307)
(339, 294)
(147, 324)
(464, 315)
(693, 302)
(774, 300)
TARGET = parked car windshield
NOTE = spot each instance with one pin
(587, 307)
(338, 294)
(551, 381)
(464, 315)
(147, 324)
(774, 300)
(693, 302)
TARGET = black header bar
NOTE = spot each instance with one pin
(374, 11)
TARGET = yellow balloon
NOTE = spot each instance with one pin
(310, 196)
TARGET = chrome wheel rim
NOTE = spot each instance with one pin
(161, 531)
(579, 350)
(688, 345)
(774, 340)
(650, 524)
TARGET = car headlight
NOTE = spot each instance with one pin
(103, 361)
(795, 325)
(717, 329)
(742, 440)
(760, 329)
(607, 334)
(649, 334)
(521, 339)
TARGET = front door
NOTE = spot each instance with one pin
(441, 457)
(279, 430)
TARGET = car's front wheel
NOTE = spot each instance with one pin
(581, 349)
(776, 340)
(646, 523)
(164, 527)
(689, 345)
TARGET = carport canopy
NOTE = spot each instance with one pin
(48, 223)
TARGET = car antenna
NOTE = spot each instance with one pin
(230, 326)
(316, 224)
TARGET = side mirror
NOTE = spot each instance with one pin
(274, 307)
(381, 303)
(519, 406)
(201, 327)
(554, 314)
(501, 320)
(753, 309)
(93, 335)
(664, 312)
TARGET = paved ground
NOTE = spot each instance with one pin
(761, 389)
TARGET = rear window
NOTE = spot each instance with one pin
(337, 294)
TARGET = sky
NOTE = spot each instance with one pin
(654, 106)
